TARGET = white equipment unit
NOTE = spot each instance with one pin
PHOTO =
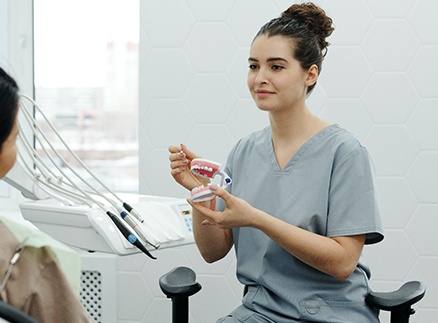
(167, 221)
(67, 201)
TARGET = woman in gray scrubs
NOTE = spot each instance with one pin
(302, 203)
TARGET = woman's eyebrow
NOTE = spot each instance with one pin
(270, 59)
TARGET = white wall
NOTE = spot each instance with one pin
(379, 81)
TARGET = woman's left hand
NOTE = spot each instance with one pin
(237, 213)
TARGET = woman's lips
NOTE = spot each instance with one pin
(263, 93)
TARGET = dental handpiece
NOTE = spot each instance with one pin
(132, 238)
(141, 234)
(207, 169)
(131, 210)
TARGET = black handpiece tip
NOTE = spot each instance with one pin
(127, 207)
(140, 246)
(128, 235)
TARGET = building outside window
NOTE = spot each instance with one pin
(86, 82)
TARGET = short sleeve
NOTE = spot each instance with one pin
(353, 206)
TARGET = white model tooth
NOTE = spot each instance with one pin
(210, 169)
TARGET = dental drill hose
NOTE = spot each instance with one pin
(128, 235)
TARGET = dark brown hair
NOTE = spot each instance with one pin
(8, 105)
(307, 26)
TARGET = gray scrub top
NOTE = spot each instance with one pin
(326, 188)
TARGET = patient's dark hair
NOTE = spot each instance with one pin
(8, 105)
(307, 26)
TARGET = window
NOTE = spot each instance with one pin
(86, 82)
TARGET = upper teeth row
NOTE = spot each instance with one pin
(203, 167)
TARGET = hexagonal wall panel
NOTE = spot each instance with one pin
(211, 141)
(349, 114)
(210, 47)
(316, 100)
(253, 16)
(397, 201)
(386, 45)
(425, 269)
(424, 72)
(246, 118)
(389, 98)
(422, 124)
(170, 29)
(351, 20)
(156, 175)
(392, 149)
(422, 230)
(390, 8)
(345, 72)
(237, 73)
(204, 268)
(160, 310)
(210, 10)
(384, 258)
(167, 122)
(211, 98)
(423, 177)
(132, 308)
(423, 20)
(207, 309)
(167, 73)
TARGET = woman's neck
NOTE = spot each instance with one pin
(291, 130)
(293, 123)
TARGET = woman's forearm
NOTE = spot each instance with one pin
(213, 243)
(336, 256)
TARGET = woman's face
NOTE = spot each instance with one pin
(276, 79)
(8, 153)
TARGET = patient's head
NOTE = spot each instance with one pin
(8, 122)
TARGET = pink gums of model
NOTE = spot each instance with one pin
(207, 169)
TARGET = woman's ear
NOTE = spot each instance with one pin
(312, 75)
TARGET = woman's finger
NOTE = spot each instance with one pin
(174, 149)
(221, 192)
(201, 208)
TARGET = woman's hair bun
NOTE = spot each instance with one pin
(313, 16)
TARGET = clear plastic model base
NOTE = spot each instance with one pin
(207, 169)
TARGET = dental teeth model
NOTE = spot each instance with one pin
(207, 169)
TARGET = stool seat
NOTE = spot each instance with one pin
(180, 282)
(407, 295)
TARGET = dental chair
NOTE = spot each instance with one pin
(180, 283)
(11, 314)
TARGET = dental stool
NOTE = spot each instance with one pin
(180, 283)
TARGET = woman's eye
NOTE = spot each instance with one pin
(252, 66)
(277, 67)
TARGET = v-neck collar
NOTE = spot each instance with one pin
(301, 152)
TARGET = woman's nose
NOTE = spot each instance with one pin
(261, 77)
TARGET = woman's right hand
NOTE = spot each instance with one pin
(180, 159)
